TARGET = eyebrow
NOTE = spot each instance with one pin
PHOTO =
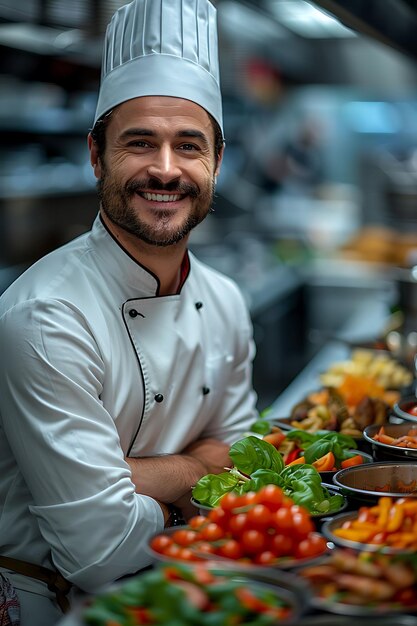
(146, 132)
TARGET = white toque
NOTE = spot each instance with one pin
(162, 48)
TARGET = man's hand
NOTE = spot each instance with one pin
(212, 454)
(171, 477)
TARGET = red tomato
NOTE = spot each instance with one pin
(160, 543)
(282, 520)
(311, 546)
(173, 551)
(230, 501)
(219, 516)
(271, 496)
(185, 554)
(211, 532)
(281, 545)
(253, 541)
(184, 537)
(259, 517)
(197, 521)
(231, 549)
(205, 547)
(267, 557)
(302, 525)
(412, 410)
(237, 524)
(249, 498)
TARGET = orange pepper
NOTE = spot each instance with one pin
(325, 463)
(351, 461)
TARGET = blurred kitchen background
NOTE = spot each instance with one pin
(316, 207)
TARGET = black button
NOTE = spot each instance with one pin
(159, 397)
(198, 305)
(133, 313)
(206, 390)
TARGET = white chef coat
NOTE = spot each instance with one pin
(95, 365)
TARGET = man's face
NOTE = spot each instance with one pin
(156, 178)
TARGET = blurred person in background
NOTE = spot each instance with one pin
(127, 363)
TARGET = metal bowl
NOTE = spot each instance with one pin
(386, 452)
(369, 482)
(402, 407)
(331, 525)
(291, 589)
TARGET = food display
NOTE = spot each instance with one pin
(257, 463)
(371, 582)
(327, 451)
(190, 596)
(265, 528)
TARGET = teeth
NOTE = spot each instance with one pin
(159, 197)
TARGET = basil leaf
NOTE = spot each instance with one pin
(252, 453)
(262, 427)
(260, 478)
(211, 487)
(302, 438)
(317, 450)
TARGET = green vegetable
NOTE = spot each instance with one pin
(316, 445)
(258, 463)
(261, 426)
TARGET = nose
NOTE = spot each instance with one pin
(164, 165)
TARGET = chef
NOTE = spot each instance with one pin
(126, 362)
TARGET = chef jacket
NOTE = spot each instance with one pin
(96, 366)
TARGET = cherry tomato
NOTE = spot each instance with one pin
(311, 546)
(197, 521)
(302, 525)
(184, 537)
(271, 496)
(231, 549)
(267, 557)
(160, 543)
(282, 520)
(230, 501)
(219, 516)
(211, 532)
(185, 554)
(253, 541)
(281, 545)
(173, 551)
(249, 498)
(237, 524)
(203, 547)
(259, 517)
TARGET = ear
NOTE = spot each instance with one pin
(219, 162)
(94, 158)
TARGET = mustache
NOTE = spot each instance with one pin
(176, 186)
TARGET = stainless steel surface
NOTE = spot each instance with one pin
(368, 480)
(384, 451)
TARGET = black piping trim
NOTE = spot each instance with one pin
(130, 256)
(143, 384)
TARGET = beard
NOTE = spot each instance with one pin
(115, 202)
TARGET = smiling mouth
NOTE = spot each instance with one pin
(162, 197)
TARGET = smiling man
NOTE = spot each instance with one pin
(127, 363)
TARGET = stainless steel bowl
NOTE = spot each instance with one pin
(370, 482)
(401, 408)
(386, 452)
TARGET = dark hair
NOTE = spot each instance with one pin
(98, 134)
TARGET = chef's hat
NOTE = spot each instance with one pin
(162, 48)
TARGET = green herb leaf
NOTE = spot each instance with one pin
(250, 454)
